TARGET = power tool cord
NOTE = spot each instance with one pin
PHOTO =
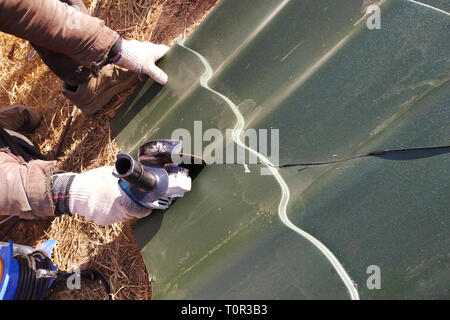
(91, 275)
(30, 287)
(34, 287)
(8, 229)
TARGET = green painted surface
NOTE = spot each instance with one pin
(334, 88)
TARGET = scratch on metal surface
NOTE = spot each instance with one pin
(223, 242)
(423, 266)
(255, 32)
(285, 192)
(402, 109)
(306, 75)
(289, 53)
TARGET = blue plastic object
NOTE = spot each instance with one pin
(10, 277)
(11, 269)
(47, 247)
(125, 186)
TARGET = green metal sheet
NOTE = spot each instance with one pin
(334, 88)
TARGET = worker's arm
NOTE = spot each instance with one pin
(58, 27)
(61, 28)
(25, 188)
(31, 190)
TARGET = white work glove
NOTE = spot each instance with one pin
(141, 57)
(96, 195)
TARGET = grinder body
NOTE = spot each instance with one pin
(155, 180)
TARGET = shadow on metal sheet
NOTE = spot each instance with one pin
(414, 154)
(144, 232)
(142, 101)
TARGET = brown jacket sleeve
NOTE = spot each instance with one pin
(58, 27)
(25, 187)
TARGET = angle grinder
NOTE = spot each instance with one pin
(159, 176)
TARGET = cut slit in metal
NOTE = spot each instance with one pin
(369, 154)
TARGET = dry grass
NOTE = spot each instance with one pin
(89, 143)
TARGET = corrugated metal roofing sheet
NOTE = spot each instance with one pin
(334, 88)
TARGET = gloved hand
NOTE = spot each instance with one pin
(140, 57)
(96, 195)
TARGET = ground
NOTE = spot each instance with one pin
(89, 143)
